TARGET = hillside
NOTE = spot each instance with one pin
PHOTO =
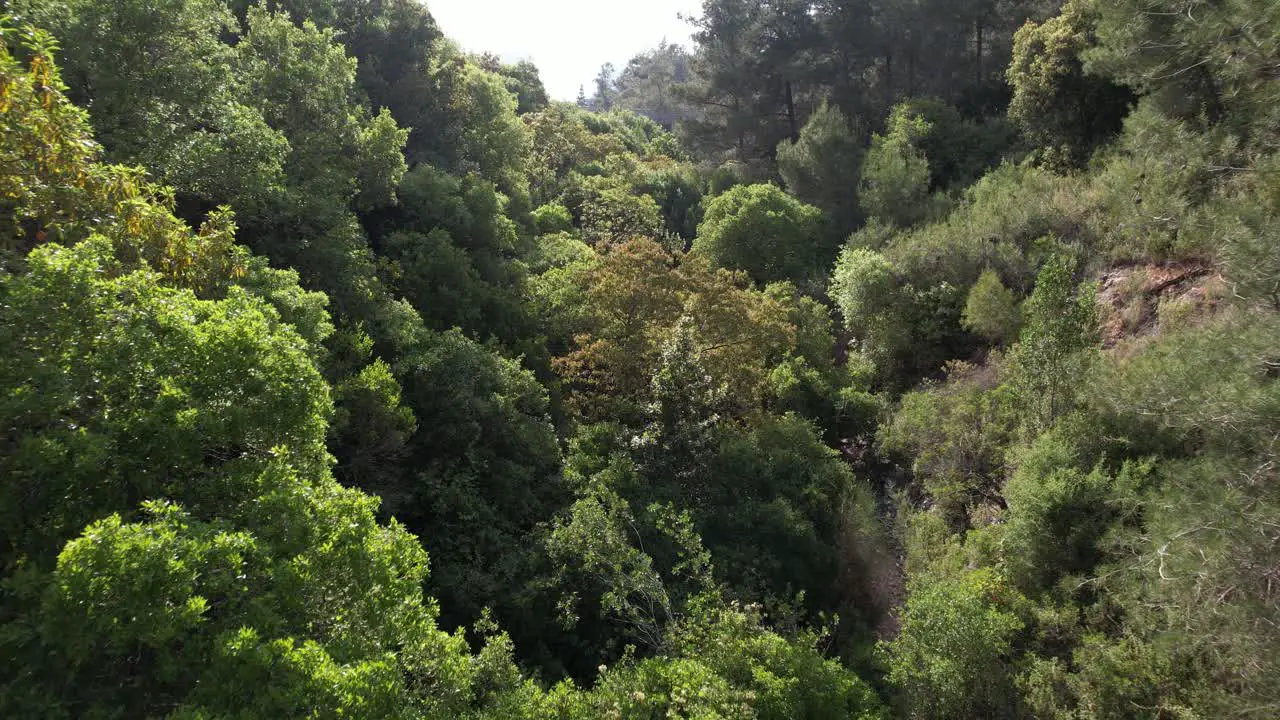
(864, 360)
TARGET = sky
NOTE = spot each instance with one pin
(567, 39)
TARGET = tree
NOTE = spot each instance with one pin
(1059, 107)
(341, 161)
(952, 657)
(992, 310)
(1059, 510)
(190, 434)
(452, 249)
(303, 81)
(1049, 360)
(182, 423)
(635, 298)
(959, 149)
(169, 510)
(525, 83)
(727, 124)
(763, 231)
(491, 139)
(552, 218)
(822, 168)
(1208, 66)
(59, 191)
(811, 381)
(181, 112)
(481, 474)
(955, 437)
(905, 330)
(866, 289)
(1247, 248)
(895, 180)
(602, 100)
(679, 193)
(727, 663)
(648, 84)
(1195, 532)
(613, 215)
(563, 149)
(404, 65)
(774, 507)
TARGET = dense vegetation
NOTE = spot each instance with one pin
(868, 359)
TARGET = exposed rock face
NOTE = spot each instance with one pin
(1139, 300)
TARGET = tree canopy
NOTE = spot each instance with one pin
(863, 360)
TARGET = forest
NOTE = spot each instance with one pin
(866, 359)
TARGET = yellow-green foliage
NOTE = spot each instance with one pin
(1050, 88)
(992, 309)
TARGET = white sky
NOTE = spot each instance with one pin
(567, 39)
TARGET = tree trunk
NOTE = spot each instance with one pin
(888, 80)
(977, 56)
(737, 120)
(791, 115)
(911, 75)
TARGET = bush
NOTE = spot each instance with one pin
(1057, 512)
(954, 437)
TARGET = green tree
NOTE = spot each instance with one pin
(895, 179)
(765, 232)
(810, 381)
(613, 215)
(1058, 510)
(525, 83)
(955, 437)
(552, 218)
(602, 100)
(822, 168)
(206, 535)
(1247, 247)
(1063, 110)
(634, 299)
(164, 94)
(452, 249)
(905, 330)
(648, 84)
(952, 658)
(866, 289)
(959, 149)
(1201, 397)
(1207, 66)
(1060, 325)
(991, 309)
(678, 192)
(735, 116)
(491, 139)
(724, 662)
(777, 510)
(480, 473)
